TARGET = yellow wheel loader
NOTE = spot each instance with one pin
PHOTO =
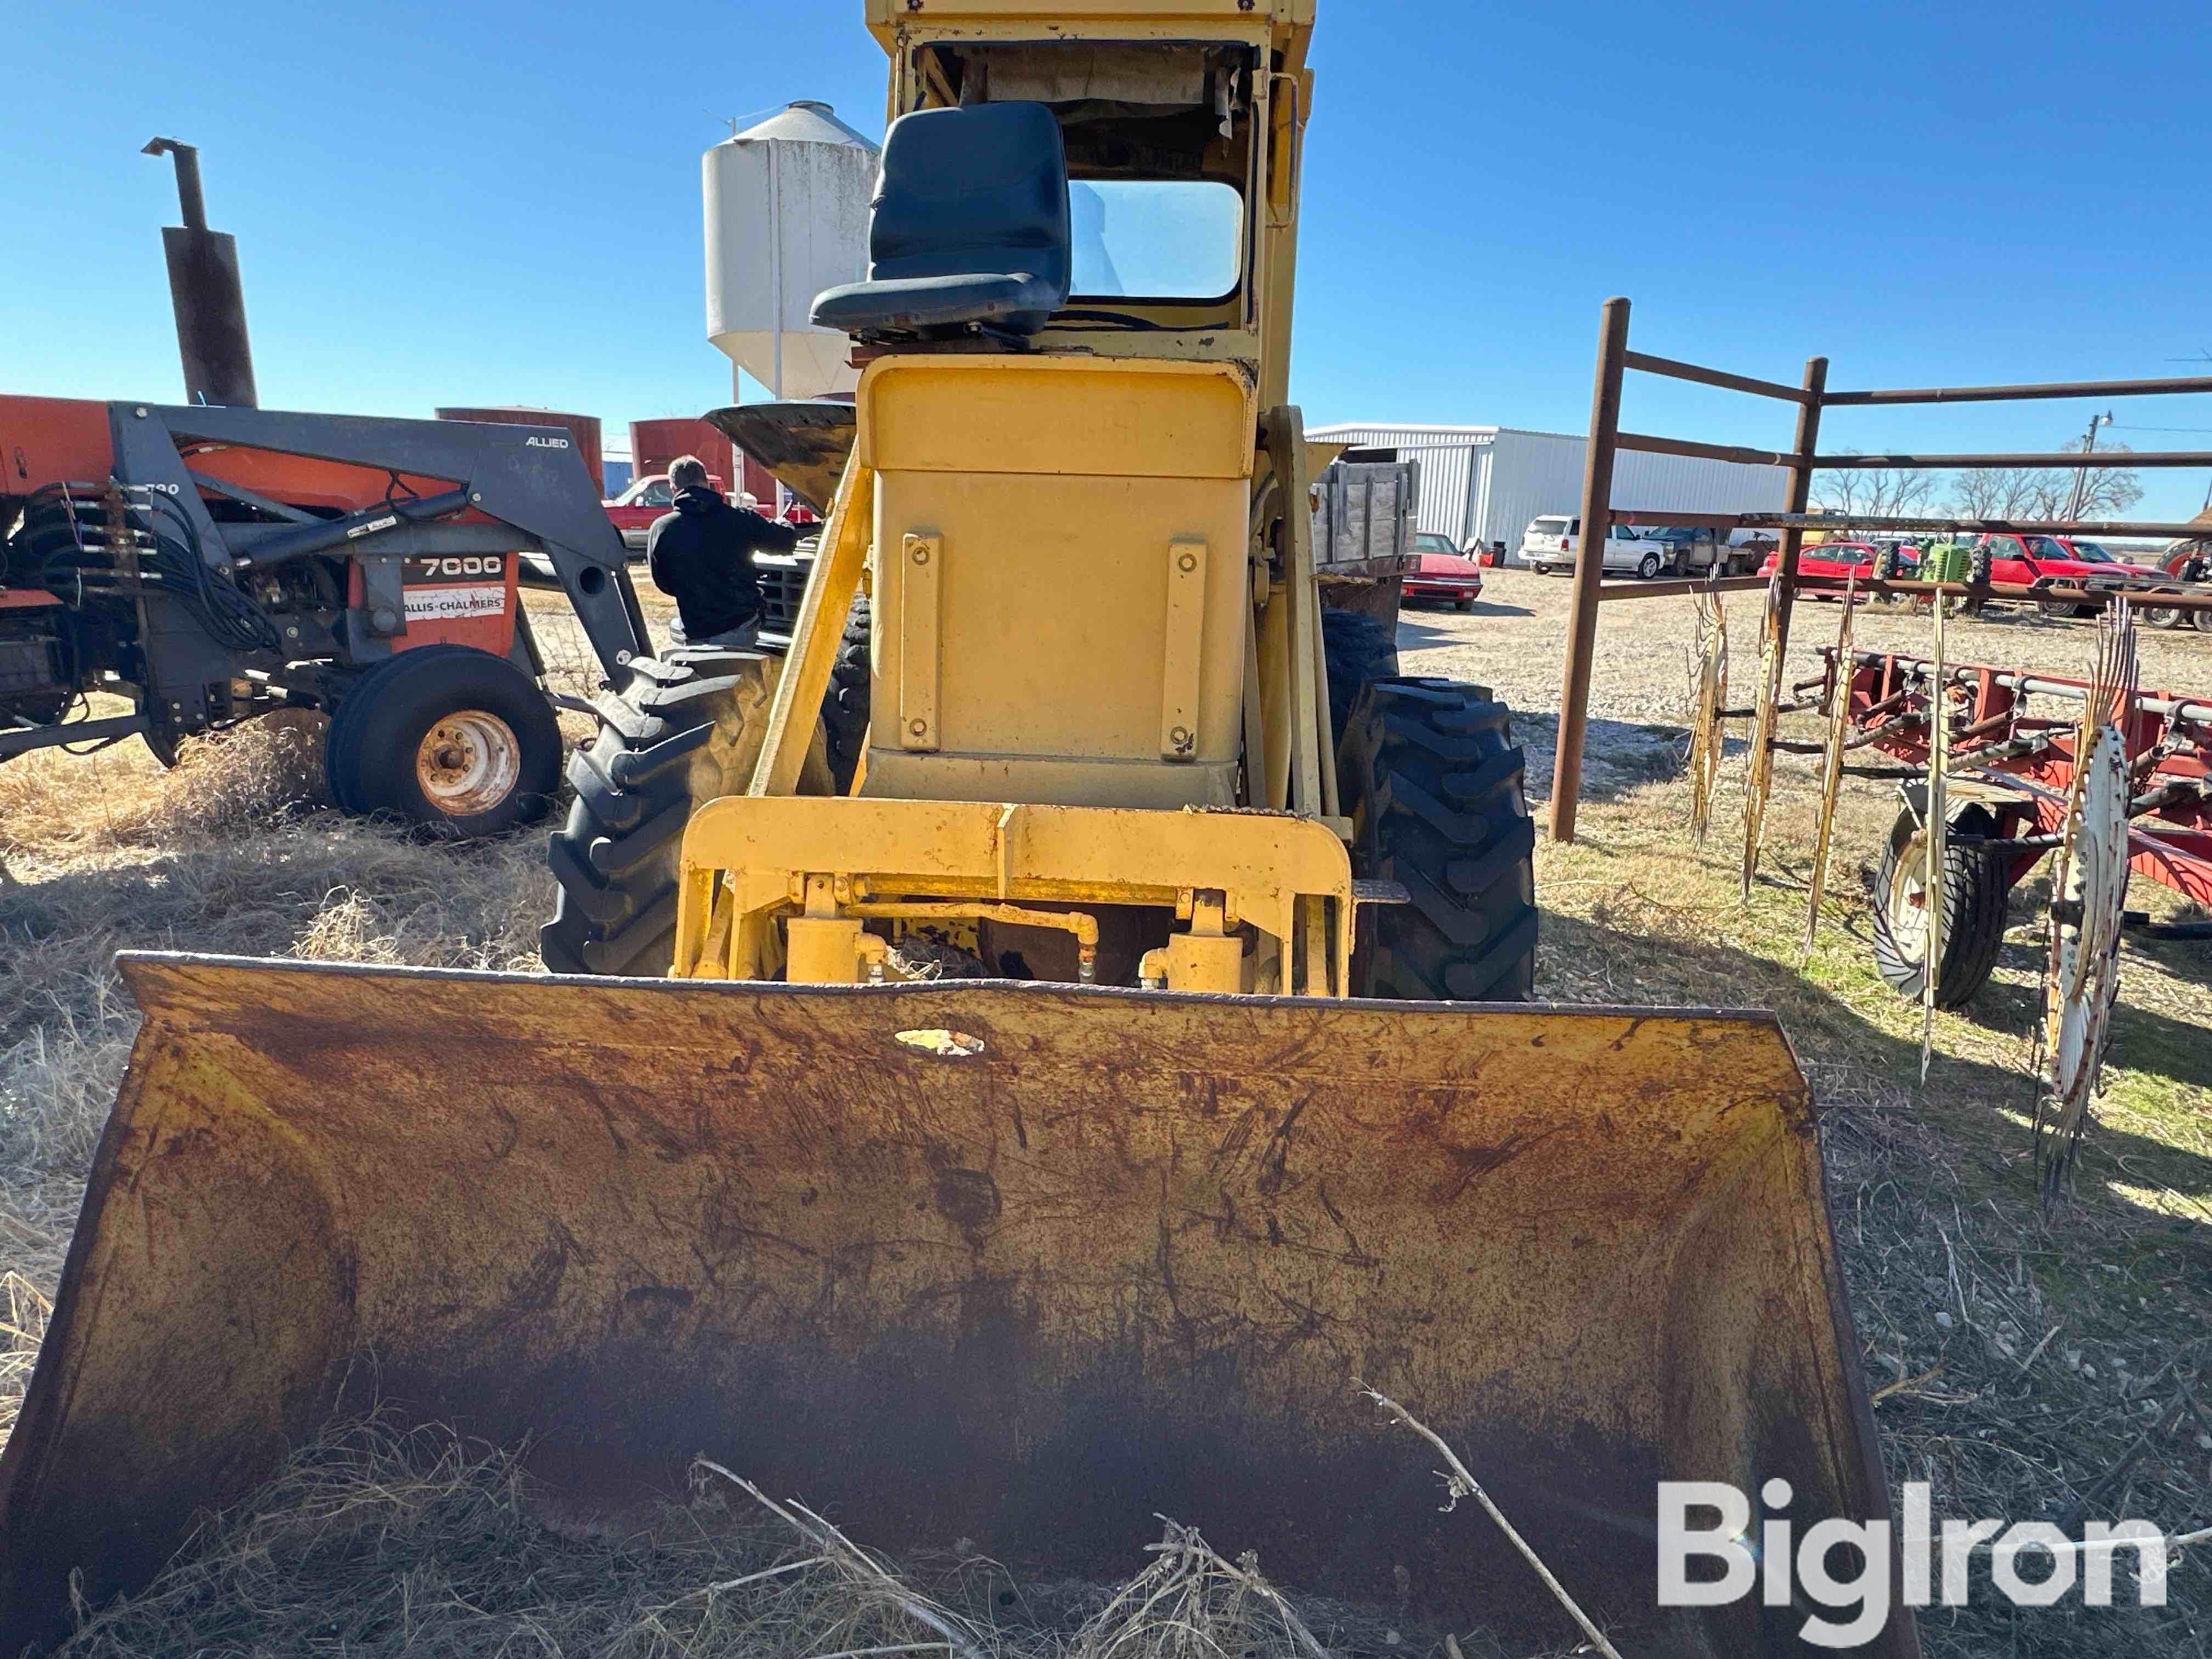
(1044, 1112)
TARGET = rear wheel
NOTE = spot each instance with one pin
(1977, 896)
(2168, 617)
(844, 711)
(1358, 649)
(458, 741)
(669, 742)
(1434, 786)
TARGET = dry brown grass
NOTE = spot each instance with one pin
(232, 854)
(381, 1541)
(1957, 1274)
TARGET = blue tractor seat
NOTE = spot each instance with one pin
(971, 228)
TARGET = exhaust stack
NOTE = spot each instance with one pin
(209, 300)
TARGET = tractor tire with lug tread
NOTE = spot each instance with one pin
(1434, 788)
(669, 742)
(1357, 649)
(845, 706)
(455, 740)
(1977, 900)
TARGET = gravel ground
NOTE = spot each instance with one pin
(1515, 640)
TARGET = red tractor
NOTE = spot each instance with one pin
(215, 562)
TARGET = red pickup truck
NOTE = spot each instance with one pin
(2060, 562)
(638, 509)
(2024, 561)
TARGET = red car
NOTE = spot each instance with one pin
(644, 504)
(1841, 559)
(1441, 571)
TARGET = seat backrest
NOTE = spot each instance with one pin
(981, 192)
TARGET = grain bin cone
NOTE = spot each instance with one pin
(1023, 1265)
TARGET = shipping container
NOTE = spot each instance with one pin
(585, 428)
(1485, 483)
(656, 445)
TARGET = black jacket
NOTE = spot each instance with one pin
(702, 556)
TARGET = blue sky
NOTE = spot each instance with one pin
(485, 202)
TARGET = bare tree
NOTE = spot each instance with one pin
(1877, 492)
(2045, 494)
(2109, 492)
(2008, 492)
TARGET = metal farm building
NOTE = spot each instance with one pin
(1486, 483)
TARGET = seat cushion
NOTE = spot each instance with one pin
(917, 303)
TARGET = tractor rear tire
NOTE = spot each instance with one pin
(1977, 903)
(669, 742)
(1358, 649)
(1435, 787)
(455, 740)
(844, 711)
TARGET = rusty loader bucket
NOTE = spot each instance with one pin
(1024, 1265)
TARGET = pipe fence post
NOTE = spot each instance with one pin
(1589, 569)
(1801, 492)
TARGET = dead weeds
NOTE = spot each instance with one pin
(2025, 1363)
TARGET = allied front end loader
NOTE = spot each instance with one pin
(1045, 1110)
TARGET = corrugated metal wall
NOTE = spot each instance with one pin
(1533, 473)
(1489, 483)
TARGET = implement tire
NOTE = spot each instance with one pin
(1977, 900)
(670, 741)
(1357, 650)
(453, 740)
(1434, 788)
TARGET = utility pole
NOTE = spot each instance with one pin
(2081, 476)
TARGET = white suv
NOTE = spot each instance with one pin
(1550, 544)
(1544, 544)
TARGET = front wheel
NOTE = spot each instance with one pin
(673, 738)
(455, 740)
(1650, 566)
(1977, 900)
(1435, 787)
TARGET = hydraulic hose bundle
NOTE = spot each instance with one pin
(90, 542)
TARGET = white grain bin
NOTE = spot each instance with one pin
(787, 217)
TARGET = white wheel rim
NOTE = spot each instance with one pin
(468, 763)
(1908, 902)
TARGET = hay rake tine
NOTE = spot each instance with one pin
(1709, 725)
(2081, 974)
(1832, 769)
(1759, 787)
(1935, 844)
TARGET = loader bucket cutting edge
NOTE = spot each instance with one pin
(1080, 1258)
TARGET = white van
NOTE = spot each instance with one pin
(1549, 545)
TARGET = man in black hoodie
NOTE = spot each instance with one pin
(702, 556)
